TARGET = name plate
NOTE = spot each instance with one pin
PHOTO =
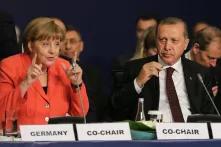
(182, 131)
(104, 131)
(216, 130)
(55, 132)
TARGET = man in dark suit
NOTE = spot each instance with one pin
(147, 78)
(73, 48)
(206, 50)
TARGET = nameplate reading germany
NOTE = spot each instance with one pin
(104, 131)
(182, 131)
(58, 132)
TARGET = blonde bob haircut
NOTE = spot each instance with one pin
(42, 28)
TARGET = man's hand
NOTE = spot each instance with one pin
(148, 70)
(34, 72)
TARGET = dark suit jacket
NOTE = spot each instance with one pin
(125, 99)
(217, 80)
(94, 85)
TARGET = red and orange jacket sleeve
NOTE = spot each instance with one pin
(11, 101)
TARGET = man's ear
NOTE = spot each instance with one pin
(187, 42)
(81, 46)
(196, 48)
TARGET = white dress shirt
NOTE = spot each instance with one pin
(180, 86)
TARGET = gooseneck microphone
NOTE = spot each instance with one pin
(207, 92)
(74, 63)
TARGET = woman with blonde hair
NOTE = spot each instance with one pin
(37, 84)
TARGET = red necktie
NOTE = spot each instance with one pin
(172, 97)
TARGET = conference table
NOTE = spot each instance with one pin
(140, 143)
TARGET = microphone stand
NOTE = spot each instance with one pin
(81, 102)
(78, 89)
(207, 92)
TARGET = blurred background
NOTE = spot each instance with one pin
(108, 26)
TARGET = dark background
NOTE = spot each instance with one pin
(108, 26)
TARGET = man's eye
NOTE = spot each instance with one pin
(211, 58)
(162, 39)
(174, 41)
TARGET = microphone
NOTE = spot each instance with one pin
(207, 92)
(74, 63)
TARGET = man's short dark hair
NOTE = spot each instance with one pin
(147, 17)
(171, 21)
(72, 28)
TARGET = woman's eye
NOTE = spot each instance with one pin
(45, 43)
(57, 43)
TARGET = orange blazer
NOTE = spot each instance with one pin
(36, 106)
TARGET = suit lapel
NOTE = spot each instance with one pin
(55, 79)
(190, 79)
(37, 86)
(156, 89)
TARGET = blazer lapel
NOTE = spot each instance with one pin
(156, 89)
(190, 80)
(37, 86)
